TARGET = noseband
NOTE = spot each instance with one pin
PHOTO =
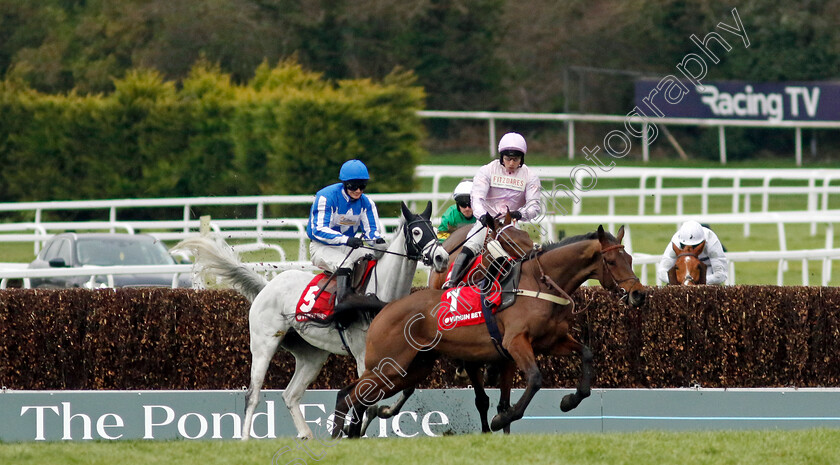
(413, 249)
(616, 287)
(688, 277)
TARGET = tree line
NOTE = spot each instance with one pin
(465, 54)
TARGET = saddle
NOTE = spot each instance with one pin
(506, 280)
(317, 301)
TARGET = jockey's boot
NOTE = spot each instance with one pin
(342, 283)
(460, 268)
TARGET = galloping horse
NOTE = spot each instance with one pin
(404, 339)
(272, 317)
(688, 270)
(517, 243)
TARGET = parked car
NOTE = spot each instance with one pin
(71, 250)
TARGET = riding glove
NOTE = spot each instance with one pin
(354, 242)
(516, 215)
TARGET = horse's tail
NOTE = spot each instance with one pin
(213, 255)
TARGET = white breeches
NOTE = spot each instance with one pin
(329, 257)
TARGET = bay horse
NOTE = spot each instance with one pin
(404, 339)
(688, 270)
(517, 243)
(272, 319)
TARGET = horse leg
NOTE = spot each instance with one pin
(386, 411)
(308, 363)
(419, 369)
(523, 354)
(565, 347)
(507, 369)
(343, 404)
(482, 401)
(262, 350)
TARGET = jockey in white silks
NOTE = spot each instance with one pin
(693, 233)
(339, 212)
(506, 183)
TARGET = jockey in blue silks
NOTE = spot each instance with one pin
(339, 213)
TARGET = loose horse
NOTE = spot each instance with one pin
(272, 316)
(688, 270)
(404, 340)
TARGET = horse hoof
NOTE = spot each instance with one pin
(497, 423)
(569, 402)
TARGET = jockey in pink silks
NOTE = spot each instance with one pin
(506, 183)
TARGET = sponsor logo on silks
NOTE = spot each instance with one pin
(347, 220)
(507, 182)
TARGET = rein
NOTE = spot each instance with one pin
(461, 244)
(564, 298)
(409, 243)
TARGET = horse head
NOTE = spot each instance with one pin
(516, 242)
(688, 270)
(616, 272)
(421, 239)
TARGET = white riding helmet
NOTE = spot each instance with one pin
(691, 233)
(513, 141)
(463, 188)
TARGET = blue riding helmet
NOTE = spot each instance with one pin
(353, 169)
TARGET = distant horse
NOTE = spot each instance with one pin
(404, 339)
(272, 318)
(688, 270)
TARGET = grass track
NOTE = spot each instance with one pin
(811, 447)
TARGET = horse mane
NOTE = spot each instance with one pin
(549, 246)
(353, 309)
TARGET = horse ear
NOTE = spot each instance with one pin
(699, 248)
(676, 249)
(427, 213)
(508, 219)
(405, 211)
(620, 235)
(601, 235)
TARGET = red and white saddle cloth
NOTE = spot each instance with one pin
(461, 306)
(309, 308)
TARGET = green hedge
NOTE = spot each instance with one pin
(286, 132)
(742, 336)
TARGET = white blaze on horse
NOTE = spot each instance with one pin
(272, 319)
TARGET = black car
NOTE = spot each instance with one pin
(70, 250)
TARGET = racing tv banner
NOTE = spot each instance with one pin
(780, 101)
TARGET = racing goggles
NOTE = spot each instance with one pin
(355, 185)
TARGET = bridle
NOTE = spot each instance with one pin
(498, 236)
(413, 249)
(688, 278)
(616, 287)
